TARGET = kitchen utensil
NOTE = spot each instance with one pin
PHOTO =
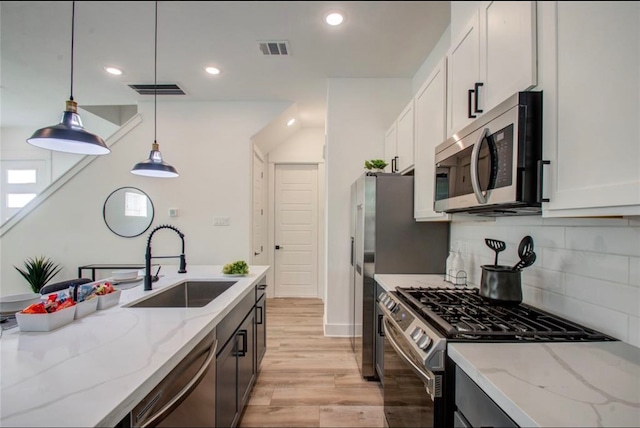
(525, 261)
(496, 246)
(525, 246)
(501, 285)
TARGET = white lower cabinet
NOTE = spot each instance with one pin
(430, 130)
(590, 69)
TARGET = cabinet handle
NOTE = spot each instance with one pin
(380, 329)
(396, 164)
(469, 95)
(393, 164)
(476, 88)
(262, 287)
(242, 352)
(259, 319)
(541, 164)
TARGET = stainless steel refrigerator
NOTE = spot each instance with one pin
(385, 238)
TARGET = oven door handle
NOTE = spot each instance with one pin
(424, 376)
(475, 157)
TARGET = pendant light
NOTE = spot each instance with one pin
(69, 135)
(155, 166)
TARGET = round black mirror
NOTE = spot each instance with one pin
(128, 212)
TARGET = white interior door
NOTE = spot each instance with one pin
(259, 236)
(296, 231)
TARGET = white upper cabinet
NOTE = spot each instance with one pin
(405, 126)
(391, 147)
(493, 58)
(430, 130)
(463, 72)
(507, 50)
(590, 74)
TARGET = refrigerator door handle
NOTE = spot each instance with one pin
(352, 244)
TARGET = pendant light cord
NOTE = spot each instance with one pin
(155, 80)
(73, 20)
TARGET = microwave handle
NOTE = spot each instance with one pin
(475, 156)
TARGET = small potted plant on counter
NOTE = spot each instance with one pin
(38, 271)
(375, 165)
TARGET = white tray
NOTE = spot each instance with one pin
(86, 307)
(45, 322)
(108, 300)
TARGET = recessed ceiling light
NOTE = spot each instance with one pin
(113, 70)
(212, 70)
(334, 18)
(291, 121)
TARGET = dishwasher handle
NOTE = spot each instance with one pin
(179, 398)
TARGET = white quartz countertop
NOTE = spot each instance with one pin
(588, 384)
(390, 281)
(93, 371)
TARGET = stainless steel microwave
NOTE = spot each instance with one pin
(493, 167)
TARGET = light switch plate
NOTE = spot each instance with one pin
(221, 221)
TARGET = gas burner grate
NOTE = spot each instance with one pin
(462, 314)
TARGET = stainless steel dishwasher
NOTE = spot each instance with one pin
(186, 397)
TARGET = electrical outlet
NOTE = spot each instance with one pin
(221, 221)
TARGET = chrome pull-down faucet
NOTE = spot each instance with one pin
(148, 257)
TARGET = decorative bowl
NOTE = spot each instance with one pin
(13, 303)
(123, 275)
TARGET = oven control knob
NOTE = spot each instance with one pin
(390, 304)
(424, 342)
(417, 333)
(382, 296)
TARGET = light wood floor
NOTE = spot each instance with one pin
(307, 379)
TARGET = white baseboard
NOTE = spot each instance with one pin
(340, 330)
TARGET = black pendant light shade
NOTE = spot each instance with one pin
(69, 135)
(154, 166)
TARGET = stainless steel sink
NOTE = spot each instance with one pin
(187, 294)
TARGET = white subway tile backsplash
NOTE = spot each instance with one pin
(544, 279)
(634, 271)
(588, 269)
(605, 320)
(593, 265)
(604, 222)
(634, 331)
(619, 297)
(610, 240)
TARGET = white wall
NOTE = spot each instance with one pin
(587, 270)
(209, 144)
(306, 145)
(359, 112)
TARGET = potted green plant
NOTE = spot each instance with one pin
(38, 271)
(375, 165)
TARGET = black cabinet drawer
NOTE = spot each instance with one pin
(476, 406)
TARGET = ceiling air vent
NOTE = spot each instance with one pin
(274, 48)
(163, 89)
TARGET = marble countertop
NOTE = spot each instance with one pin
(588, 384)
(93, 371)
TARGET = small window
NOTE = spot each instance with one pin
(21, 176)
(135, 205)
(19, 200)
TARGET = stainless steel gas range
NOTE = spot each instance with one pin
(419, 379)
